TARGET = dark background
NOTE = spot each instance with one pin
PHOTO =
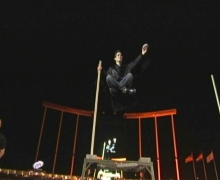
(50, 52)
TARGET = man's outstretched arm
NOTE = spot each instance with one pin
(139, 58)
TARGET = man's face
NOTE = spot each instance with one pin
(118, 57)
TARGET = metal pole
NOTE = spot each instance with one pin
(175, 149)
(95, 109)
(58, 138)
(194, 169)
(74, 145)
(216, 94)
(41, 131)
(204, 166)
(215, 167)
(140, 145)
(157, 148)
(103, 151)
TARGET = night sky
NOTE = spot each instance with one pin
(50, 52)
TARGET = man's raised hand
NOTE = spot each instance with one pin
(144, 49)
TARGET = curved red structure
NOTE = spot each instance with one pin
(155, 115)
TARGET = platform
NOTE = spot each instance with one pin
(142, 165)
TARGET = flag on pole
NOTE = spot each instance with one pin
(189, 158)
(210, 157)
(199, 158)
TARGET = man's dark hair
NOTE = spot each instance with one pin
(117, 51)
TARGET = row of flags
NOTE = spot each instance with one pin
(209, 158)
(200, 157)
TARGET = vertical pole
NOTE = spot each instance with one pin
(94, 174)
(103, 151)
(215, 167)
(58, 138)
(194, 169)
(157, 148)
(175, 148)
(74, 145)
(216, 94)
(140, 145)
(95, 109)
(41, 131)
(204, 166)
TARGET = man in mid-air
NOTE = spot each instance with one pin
(119, 77)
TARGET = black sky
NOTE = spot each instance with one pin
(50, 52)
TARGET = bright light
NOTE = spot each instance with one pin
(38, 164)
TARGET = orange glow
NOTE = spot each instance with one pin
(118, 159)
(67, 109)
(98, 157)
(150, 114)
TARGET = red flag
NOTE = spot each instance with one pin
(210, 157)
(200, 157)
(189, 158)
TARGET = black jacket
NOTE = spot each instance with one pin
(120, 71)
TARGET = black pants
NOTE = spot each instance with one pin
(120, 84)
